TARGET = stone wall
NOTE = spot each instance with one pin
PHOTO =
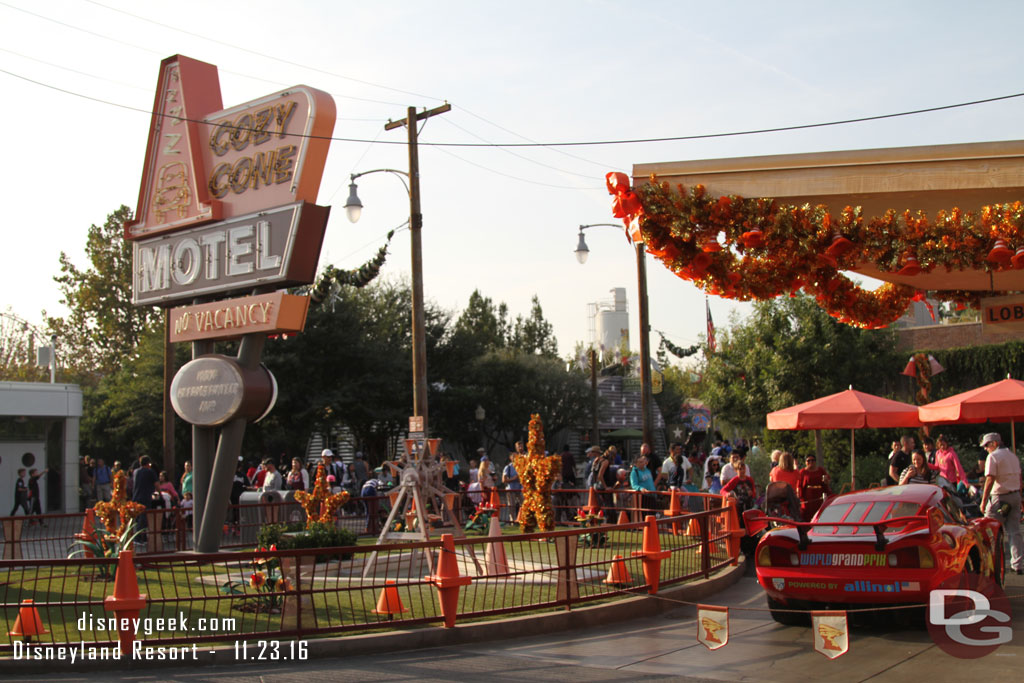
(948, 337)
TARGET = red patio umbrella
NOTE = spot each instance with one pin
(850, 409)
(1002, 401)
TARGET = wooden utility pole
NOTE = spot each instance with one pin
(419, 335)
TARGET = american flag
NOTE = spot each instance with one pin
(712, 345)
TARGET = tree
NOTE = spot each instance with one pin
(123, 410)
(789, 351)
(534, 334)
(512, 385)
(18, 342)
(103, 327)
(351, 366)
(481, 327)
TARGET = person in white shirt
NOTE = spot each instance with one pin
(675, 471)
(1003, 482)
(272, 481)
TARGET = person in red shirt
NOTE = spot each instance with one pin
(741, 487)
(812, 487)
(786, 471)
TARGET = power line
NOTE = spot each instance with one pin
(155, 52)
(512, 177)
(263, 54)
(630, 141)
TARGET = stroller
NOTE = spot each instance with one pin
(781, 501)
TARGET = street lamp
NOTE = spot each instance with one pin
(354, 209)
(480, 414)
(582, 252)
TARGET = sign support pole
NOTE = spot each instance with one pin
(250, 349)
(202, 456)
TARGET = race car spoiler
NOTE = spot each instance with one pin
(756, 521)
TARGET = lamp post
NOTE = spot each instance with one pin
(354, 207)
(582, 252)
(480, 414)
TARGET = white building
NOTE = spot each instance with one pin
(39, 426)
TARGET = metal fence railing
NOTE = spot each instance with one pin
(52, 536)
(244, 595)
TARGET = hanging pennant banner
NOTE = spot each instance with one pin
(831, 636)
(712, 626)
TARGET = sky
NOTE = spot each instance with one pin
(78, 77)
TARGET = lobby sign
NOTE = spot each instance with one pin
(1002, 315)
(274, 313)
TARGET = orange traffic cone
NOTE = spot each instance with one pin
(28, 623)
(623, 517)
(713, 530)
(448, 580)
(495, 559)
(732, 527)
(592, 504)
(495, 499)
(88, 532)
(450, 468)
(618, 575)
(389, 603)
(694, 528)
(126, 602)
(674, 511)
(652, 554)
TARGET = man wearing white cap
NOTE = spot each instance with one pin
(1003, 482)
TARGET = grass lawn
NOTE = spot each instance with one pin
(340, 597)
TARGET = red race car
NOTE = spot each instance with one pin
(885, 546)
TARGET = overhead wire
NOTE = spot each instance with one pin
(155, 52)
(521, 156)
(561, 144)
(263, 54)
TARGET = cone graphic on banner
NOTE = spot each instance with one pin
(28, 622)
(712, 626)
(831, 634)
(618, 574)
(390, 603)
(495, 560)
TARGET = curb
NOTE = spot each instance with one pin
(411, 639)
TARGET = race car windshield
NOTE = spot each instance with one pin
(865, 511)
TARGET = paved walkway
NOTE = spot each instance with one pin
(654, 648)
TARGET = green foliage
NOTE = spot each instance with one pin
(103, 327)
(124, 407)
(512, 385)
(270, 534)
(319, 536)
(789, 351)
(300, 538)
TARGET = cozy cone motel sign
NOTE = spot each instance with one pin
(226, 208)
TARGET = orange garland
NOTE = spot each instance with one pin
(118, 506)
(321, 504)
(742, 248)
(536, 472)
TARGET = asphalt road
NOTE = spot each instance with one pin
(655, 648)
